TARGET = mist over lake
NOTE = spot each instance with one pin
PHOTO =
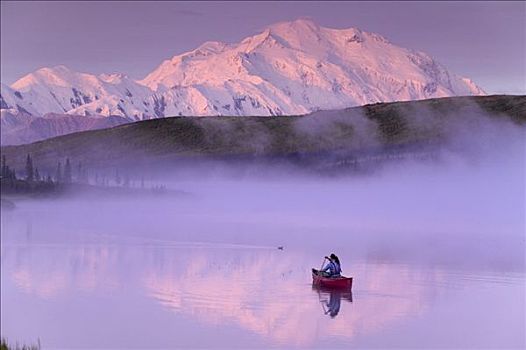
(435, 248)
(262, 175)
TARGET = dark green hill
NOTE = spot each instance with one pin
(354, 130)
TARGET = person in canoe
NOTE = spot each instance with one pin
(332, 268)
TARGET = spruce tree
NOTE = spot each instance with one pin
(67, 172)
(4, 167)
(37, 175)
(80, 177)
(58, 175)
(8, 173)
(29, 168)
(117, 177)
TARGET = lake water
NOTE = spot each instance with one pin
(437, 261)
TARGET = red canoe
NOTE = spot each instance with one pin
(334, 282)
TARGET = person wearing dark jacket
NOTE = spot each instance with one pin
(333, 267)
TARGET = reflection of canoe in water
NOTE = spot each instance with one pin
(328, 282)
(331, 298)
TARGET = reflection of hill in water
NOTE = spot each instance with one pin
(263, 291)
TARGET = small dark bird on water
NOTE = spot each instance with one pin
(280, 247)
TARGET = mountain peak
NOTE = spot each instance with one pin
(300, 24)
(46, 75)
(212, 46)
(253, 42)
(303, 28)
(289, 68)
(64, 77)
(54, 70)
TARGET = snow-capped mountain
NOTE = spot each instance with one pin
(61, 90)
(290, 68)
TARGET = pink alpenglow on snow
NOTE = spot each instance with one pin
(290, 68)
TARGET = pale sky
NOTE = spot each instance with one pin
(485, 41)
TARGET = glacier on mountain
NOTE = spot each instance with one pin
(290, 68)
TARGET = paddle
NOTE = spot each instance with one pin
(323, 262)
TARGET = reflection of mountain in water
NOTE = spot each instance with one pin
(262, 291)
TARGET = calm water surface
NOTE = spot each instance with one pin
(119, 275)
